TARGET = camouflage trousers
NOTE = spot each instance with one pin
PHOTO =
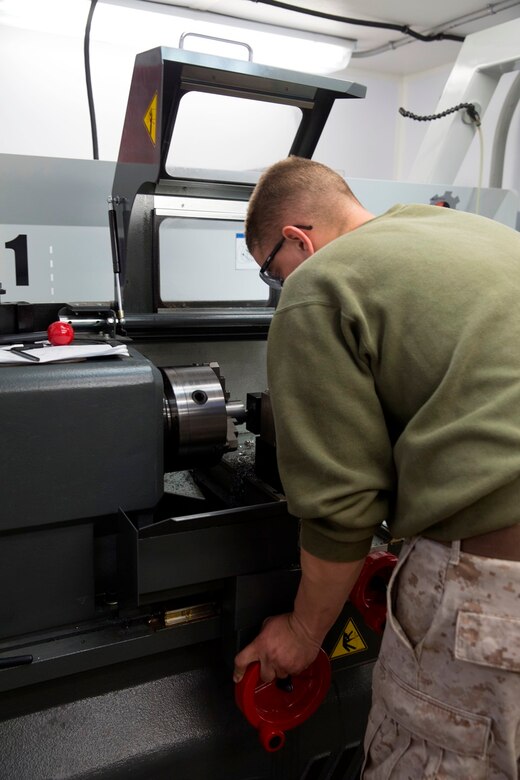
(446, 686)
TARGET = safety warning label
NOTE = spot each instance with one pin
(350, 641)
(150, 119)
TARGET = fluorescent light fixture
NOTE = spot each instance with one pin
(144, 29)
(164, 25)
(277, 46)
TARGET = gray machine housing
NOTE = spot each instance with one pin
(87, 437)
(95, 424)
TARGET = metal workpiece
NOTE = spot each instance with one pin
(236, 410)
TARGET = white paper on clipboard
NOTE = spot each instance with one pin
(60, 354)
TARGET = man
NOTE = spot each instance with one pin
(394, 373)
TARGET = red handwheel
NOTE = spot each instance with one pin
(275, 707)
(369, 593)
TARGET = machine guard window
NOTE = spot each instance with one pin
(202, 257)
(229, 134)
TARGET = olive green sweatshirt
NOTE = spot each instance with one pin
(394, 373)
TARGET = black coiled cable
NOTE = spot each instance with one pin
(469, 107)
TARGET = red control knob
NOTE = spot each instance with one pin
(60, 333)
(369, 593)
(274, 708)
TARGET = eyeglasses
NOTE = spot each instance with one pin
(275, 281)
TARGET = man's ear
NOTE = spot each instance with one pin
(293, 233)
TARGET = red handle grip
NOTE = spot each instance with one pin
(274, 709)
(60, 333)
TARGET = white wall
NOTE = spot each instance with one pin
(43, 95)
(420, 94)
(45, 112)
(360, 137)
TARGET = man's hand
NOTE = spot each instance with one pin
(283, 647)
(288, 644)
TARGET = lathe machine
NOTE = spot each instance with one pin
(144, 535)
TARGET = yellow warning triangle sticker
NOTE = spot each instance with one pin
(150, 119)
(350, 641)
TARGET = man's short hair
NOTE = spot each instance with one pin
(294, 190)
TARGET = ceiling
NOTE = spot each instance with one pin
(405, 54)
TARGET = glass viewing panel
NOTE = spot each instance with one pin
(229, 134)
(206, 260)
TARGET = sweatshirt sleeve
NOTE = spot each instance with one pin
(333, 449)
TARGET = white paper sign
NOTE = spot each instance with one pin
(243, 260)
